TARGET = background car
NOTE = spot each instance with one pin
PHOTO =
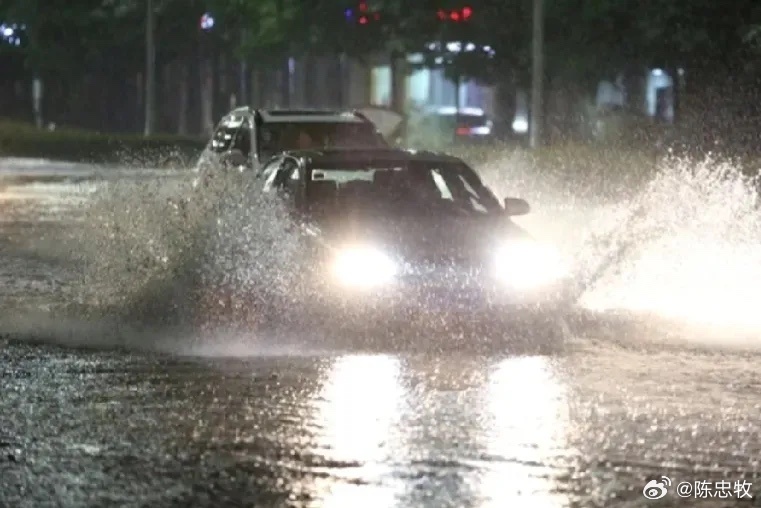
(247, 137)
(447, 125)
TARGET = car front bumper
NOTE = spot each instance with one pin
(419, 303)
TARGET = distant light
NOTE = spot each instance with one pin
(466, 12)
(481, 130)
(470, 47)
(657, 72)
(442, 14)
(348, 13)
(520, 125)
(8, 32)
(415, 58)
(455, 16)
(454, 47)
(363, 20)
(362, 7)
(207, 22)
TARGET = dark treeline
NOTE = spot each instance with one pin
(89, 55)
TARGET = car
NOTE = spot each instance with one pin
(390, 235)
(247, 137)
(463, 126)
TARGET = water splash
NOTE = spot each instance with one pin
(678, 239)
(694, 248)
(163, 252)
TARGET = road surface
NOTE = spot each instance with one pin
(88, 418)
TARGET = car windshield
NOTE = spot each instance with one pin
(279, 137)
(402, 188)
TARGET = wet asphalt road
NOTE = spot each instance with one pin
(266, 425)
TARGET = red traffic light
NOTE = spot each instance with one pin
(455, 15)
(365, 14)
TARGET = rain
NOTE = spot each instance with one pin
(163, 341)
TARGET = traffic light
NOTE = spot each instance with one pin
(455, 15)
(362, 14)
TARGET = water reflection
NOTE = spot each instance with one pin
(357, 412)
(525, 435)
(451, 432)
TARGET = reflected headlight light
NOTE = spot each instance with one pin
(363, 267)
(527, 264)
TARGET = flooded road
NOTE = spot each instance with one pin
(265, 423)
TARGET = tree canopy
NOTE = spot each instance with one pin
(585, 39)
(489, 40)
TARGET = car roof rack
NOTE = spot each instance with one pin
(311, 115)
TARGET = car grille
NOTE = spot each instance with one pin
(447, 286)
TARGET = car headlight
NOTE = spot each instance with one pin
(363, 267)
(527, 264)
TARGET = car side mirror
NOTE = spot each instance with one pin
(516, 206)
(236, 159)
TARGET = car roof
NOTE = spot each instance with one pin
(303, 115)
(343, 155)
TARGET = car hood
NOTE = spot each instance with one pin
(435, 239)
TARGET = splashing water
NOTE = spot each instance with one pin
(160, 252)
(695, 252)
(682, 245)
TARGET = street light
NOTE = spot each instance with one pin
(207, 22)
(536, 75)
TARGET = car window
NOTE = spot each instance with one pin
(232, 132)
(242, 138)
(407, 186)
(441, 185)
(278, 137)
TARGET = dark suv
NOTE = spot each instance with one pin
(248, 137)
(389, 233)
